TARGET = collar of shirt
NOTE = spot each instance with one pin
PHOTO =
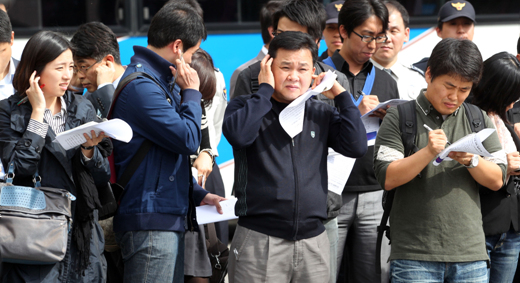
(398, 70)
(63, 108)
(57, 121)
(6, 84)
(116, 82)
(342, 65)
(265, 50)
(427, 108)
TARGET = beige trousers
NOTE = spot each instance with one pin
(259, 258)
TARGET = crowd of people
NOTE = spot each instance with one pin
(452, 220)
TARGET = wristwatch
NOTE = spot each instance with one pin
(473, 163)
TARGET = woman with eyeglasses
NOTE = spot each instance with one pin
(30, 119)
(496, 93)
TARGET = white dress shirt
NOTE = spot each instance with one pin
(409, 81)
(6, 85)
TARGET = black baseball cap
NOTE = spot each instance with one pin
(332, 10)
(456, 9)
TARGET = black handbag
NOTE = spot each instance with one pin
(218, 254)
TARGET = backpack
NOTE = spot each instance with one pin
(408, 129)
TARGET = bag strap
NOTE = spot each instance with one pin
(213, 240)
(329, 62)
(138, 158)
(475, 117)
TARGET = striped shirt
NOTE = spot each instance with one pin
(56, 122)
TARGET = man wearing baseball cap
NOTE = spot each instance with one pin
(331, 31)
(456, 20)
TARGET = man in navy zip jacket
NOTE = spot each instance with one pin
(158, 203)
(281, 182)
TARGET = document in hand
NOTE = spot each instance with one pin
(209, 214)
(115, 128)
(339, 168)
(291, 118)
(372, 123)
(471, 143)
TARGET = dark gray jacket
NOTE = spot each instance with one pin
(29, 153)
(247, 83)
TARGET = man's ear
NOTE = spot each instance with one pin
(518, 57)
(12, 38)
(177, 46)
(438, 30)
(109, 57)
(343, 32)
(271, 31)
(428, 76)
(314, 70)
(406, 34)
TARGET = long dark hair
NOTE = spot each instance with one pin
(42, 48)
(500, 84)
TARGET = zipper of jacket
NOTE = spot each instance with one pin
(191, 203)
(296, 195)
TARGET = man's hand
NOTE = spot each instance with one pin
(105, 73)
(513, 163)
(204, 166)
(436, 141)
(463, 158)
(334, 91)
(213, 199)
(186, 76)
(368, 103)
(266, 74)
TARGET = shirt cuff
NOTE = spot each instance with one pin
(86, 159)
(38, 128)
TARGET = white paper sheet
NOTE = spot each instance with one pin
(209, 214)
(391, 102)
(291, 118)
(339, 168)
(471, 143)
(372, 123)
(115, 128)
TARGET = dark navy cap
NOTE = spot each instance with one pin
(333, 11)
(456, 9)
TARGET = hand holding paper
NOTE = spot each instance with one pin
(471, 143)
(291, 118)
(115, 128)
(208, 213)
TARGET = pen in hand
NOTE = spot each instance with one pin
(430, 129)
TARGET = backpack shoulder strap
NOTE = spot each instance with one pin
(408, 126)
(147, 144)
(475, 117)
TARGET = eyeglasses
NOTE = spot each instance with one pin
(83, 69)
(368, 38)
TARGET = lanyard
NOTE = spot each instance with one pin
(367, 88)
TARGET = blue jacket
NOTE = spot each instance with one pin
(281, 183)
(157, 197)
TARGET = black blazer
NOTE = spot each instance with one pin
(500, 208)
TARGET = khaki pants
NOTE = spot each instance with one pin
(256, 257)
